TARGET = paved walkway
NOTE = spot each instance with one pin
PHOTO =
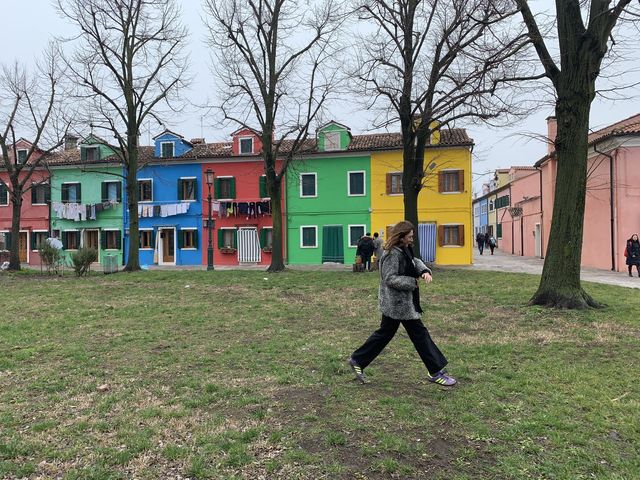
(504, 262)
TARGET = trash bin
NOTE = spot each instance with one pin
(110, 264)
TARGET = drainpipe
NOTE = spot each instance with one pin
(611, 204)
(522, 235)
(541, 216)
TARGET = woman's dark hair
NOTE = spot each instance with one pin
(631, 237)
(399, 231)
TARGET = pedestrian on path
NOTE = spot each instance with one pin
(492, 243)
(399, 302)
(365, 248)
(632, 252)
(480, 241)
(377, 246)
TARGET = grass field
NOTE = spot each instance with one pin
(242, 375)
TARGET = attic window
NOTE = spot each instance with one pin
(246, 145)
(167, 149)
(22, 156)
(332, 141)
(91, 153)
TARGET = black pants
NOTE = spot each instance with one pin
(366, 260)
(481, 247)
(431, 356)
(637, 268)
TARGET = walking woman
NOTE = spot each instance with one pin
(400, 304)
(632, 252)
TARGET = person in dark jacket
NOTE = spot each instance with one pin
(480, 241)
(399, 302)
(365, 250)
(632, 253)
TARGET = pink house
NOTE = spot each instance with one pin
(34, 221)
(612, 208)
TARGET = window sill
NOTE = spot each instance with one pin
(452, 246)
(189, 248)
(146, 248)
(308, 196)
(395, 194)
(451, 193)
(311, 246)
(356, 195)
(267, 249)
(228, 251)
(37, 204)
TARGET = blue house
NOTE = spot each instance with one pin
(170, 204)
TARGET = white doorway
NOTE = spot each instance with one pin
(249, 245)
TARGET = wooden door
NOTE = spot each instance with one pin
(168, 246)
(23, 247)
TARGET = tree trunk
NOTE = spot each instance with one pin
(14, 250)
(411, 185)
(277, 258)
(560, 283)
(133, 257)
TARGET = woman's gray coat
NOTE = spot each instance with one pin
(395, 295)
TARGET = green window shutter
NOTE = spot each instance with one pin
(179, 197)
(83, 154)
(105, 191)
(263, 186)
(7, 240)
(3, 194)
(119, 240)
(33, 241)
(235, 239)
(216, 188)
(103, 239)
(47, 193)
(119, 192)
(195, 189)
(153, 239)
(233, 187)
(195, 239)
(180, 239)
(263, 238)
(499, 231)
(34, 195)
(64, 240)
(220, 238)
(79, 200)
(65, 193)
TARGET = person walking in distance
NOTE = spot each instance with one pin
(365, 250)
(399, 302)
(480, 241)
(492, 243)
(632, 252)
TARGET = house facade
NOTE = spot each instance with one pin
(444, 204)
(86, 199)
(328, 200)
(169, 204)
(34, 217)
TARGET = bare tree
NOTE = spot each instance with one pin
(129, 66)
(29, 103)
(275, 69)
(431, 63)
(582, 48)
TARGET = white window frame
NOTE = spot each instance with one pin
(3, 205)
(491, 204)
(190, 229)
(38, 231)
(233, 229)
(152, 247)
(268, 228)
(225, 199)
(26, 150)
(364, 183)
(315, 229)
(364, 231)
(173, 149)
(195, 193)
(240, 145)
(453, 192)
(396, 194)
(333, 134)
(315, 179)
(105, 230)
(452, 225)
(138, 186)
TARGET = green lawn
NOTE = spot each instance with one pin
(242, 375)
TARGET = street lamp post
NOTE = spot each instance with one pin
(209, 178)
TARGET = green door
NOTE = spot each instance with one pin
(332, 244)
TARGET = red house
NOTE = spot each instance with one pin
(241, 207)
(34, 221)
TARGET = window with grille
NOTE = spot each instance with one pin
(145, 190)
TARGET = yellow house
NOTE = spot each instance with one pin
(444, 204)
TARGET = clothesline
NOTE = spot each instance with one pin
(166, 210)
(79, 212)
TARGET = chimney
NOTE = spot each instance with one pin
(552, 129)
(70, 142)
(197, 141)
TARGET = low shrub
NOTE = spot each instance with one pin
(82, 260)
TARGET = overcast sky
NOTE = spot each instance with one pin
(28, 24)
